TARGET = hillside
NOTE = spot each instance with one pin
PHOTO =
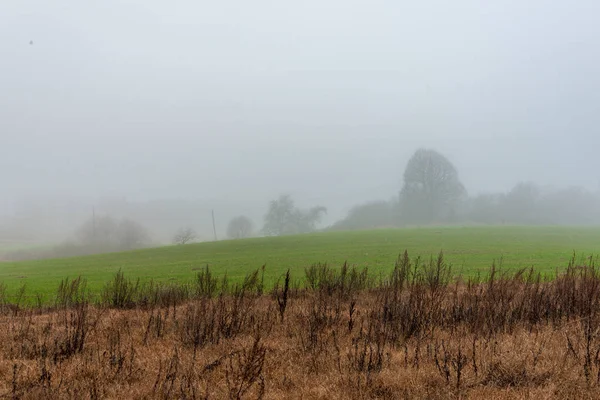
(469, 250)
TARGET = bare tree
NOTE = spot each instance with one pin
(184, 235)
(239, 227)
(284, 218)
(306, 221)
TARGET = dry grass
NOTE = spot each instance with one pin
(415, 334)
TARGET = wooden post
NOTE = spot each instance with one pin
(94, 223)
(214, 226)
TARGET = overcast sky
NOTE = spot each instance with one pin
(324, 99)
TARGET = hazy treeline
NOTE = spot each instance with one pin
(528, 203)
(525, 204)
(432, 194)
(96, 235)
(52, 218)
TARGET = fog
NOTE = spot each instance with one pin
(226, 105)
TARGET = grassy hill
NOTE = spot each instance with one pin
(468, 249)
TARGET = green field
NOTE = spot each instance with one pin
(469, 250)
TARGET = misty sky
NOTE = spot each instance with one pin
(322, 99)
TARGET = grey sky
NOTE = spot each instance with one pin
(323, 99)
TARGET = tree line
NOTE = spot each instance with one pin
(431, 193)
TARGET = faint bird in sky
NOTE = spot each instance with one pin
(30, 42)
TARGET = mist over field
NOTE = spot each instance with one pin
(160, 112)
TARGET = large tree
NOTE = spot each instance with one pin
(284, 218)
(431, 190)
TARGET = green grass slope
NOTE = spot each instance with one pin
(468, 249)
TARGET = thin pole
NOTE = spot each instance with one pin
(214, 226)
(94, 223)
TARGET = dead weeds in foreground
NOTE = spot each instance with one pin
(417, 333)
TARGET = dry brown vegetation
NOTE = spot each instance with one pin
(417, 333)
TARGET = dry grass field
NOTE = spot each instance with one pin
(416, 334)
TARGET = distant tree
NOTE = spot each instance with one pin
(280, 219)
(283, 218)
(240, 227)
(374, 214)
(431, 189)
(131, 235)
(486, 208)
(306, 221)
(100, 231)
(105, 233)
(569, 206)
(184, 236)
(521, 203)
